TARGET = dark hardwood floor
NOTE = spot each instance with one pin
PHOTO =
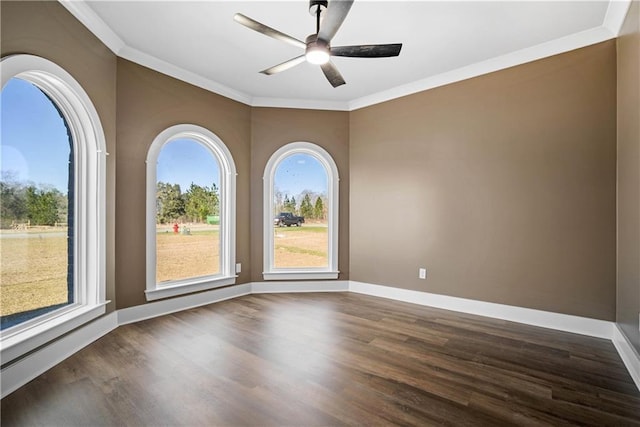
(331, 359)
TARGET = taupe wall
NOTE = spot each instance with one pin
(628, 305)
(272, 128)
(502, 186)
(148, 103)
(46, 29)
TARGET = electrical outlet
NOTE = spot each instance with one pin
(238, 268)
(422, 273)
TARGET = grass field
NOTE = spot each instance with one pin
(34, 272)
(180, 256)
(34, 264)
(304, 246)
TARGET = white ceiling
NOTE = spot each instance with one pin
(443, 42)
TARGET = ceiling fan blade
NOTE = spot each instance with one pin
(284, 66)
(368, 50)
(267, 31)
(335, 14)
(332, 74)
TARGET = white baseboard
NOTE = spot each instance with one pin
(313, 286)
(24, 370)
(172, 305)
(561, 322)
(628, 354)
(545, 319)
(29, 367)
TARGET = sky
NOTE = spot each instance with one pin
(35, 148)
(183, 161)
(300, 172)
(34, 144)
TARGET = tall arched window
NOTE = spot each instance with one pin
(53, 198)
(190, 212)
(37, 200)
(300, 214)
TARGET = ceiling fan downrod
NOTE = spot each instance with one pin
(317, 51)
(316, 7)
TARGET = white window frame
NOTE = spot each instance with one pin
(270, 272)
(89, 206)
(227, 275)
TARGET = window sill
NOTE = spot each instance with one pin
(176, 288)
(300, 275)
(23, 340)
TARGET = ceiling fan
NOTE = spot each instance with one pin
(318, 50)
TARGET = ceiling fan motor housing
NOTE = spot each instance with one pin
(313, 42)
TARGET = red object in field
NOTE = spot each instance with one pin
(175, 228)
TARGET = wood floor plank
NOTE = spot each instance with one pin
(323, 359)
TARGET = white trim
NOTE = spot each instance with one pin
(160, 308)
(83, 13)
(95, 24)
(227, 199)
(182, 287)
(545, 319)
(284, 287)
(333, 187)
(554, 47)
(24, 370)
(301, 104)
(28, 368)
(300, 275)
(627, 353)
(180, 73)
(89, 150)
(47, 328)
(615, 16)
(609, 29)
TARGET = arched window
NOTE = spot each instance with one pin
(53, 198)
(190, 212)
(300, 214)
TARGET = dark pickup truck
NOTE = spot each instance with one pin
(288, 219)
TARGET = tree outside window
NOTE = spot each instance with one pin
(187, 212)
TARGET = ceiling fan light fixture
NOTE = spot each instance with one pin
(317, 55)
(317, 51)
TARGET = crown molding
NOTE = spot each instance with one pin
(610, 28)
(303, 104)
(180, 73)
(83, 13)
(95, 24)
(544, 50)
(616, 13)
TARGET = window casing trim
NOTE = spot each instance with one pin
(270, 272)
(221, 153)
(89, 205)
